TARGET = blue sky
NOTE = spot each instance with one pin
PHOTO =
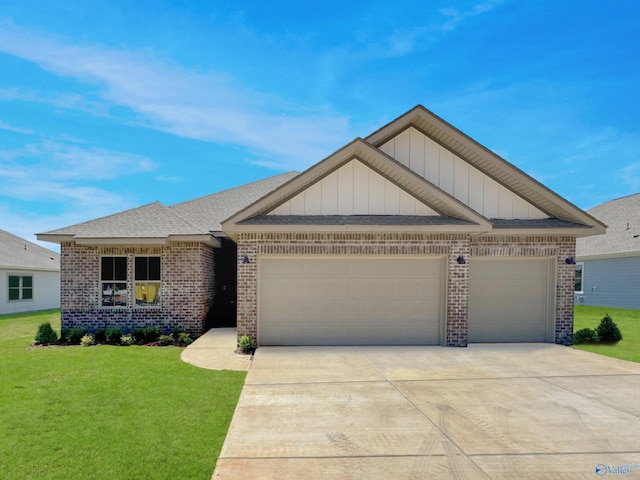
(108, 105)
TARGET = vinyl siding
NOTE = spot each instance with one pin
(46, 292)
(611, 282)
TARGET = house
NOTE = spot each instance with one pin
(415, 234)
(608, 266)
(29, 276)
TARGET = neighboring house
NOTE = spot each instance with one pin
(29, 276)
(608, 266)
(416, 234)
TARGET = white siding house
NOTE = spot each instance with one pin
(608, 266)
(29, 276)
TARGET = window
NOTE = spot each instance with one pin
(579, 277)
(113, 281)
(20, 287)
(147, 277)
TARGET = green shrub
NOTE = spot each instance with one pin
(585, 335)
(151, 334)
(101, 335)
(165, 340)
(74, 335)
(112, 336)
(87, 340)
(245, 343)
(46, 334)
(184, 339)
(177, 331)
(138, 336)
(126, 340)
(608, 331)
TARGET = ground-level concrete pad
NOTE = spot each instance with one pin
(488, 411)
(443, 467)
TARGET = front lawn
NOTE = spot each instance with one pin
(627, 320)
(107, 412)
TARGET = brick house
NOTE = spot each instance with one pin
(416, 234)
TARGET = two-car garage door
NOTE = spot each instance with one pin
(350, 300)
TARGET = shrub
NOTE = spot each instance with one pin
(46, 334)
(100, 335)
(113, 335)
(165, 340)
(151, 334)
(585, 335)
(184, 339)
(138, 335)
(87, 340)
(126, 340)
(74, 335)
(245, 343)
(608, 331)
(177, 331)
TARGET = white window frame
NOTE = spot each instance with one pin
(144, 284)
(21, 287)
(579, 292)
(114, 282)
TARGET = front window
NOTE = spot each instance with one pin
(113, 281)
(20, 287)
(147, 277)
(579, 277)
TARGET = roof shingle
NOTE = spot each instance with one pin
(16, 252)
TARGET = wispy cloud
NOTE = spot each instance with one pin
(206, 105)
(11, 128)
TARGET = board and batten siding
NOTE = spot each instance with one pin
(611, 282)
(457, 177)
(46, 292)
(353, 189)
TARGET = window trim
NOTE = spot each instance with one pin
(157, 302)
(579, 292)
(113, 282)
(21, 288)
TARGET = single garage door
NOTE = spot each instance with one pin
(510, 299)
(350, 300)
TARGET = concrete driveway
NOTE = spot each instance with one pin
(487, 411)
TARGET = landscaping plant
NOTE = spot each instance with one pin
(608, 331)
(46, 335)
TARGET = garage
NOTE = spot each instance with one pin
(387, 300)
(511, 299)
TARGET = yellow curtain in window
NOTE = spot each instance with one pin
(147, 292)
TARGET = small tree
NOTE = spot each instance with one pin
(46, 334)
(608, 331)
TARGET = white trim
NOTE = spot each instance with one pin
(599, 256)
(579, 292)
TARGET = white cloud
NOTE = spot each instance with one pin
(206, 106)
(14, 129)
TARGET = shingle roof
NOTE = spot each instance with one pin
(149, 221)
(209, 211)
(354, 220)
(155, 220)
(16, 252)
(623, 218)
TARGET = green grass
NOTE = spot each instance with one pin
(107, 412)
(628, 322)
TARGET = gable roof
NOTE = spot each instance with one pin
(489, 163)
(462, 217)
(18, 253)
(156, 223)
(623, 233)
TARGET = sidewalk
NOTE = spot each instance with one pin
(215, 350)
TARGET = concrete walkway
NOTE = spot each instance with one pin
(526, 411)
(215, 350)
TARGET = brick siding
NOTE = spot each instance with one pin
(252, 245)
(187, 287)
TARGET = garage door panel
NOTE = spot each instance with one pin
(350, 301)
(509, 300)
